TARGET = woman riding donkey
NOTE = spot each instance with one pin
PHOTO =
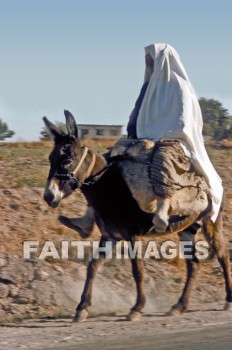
(167, 109)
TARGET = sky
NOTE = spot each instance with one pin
(88, 56)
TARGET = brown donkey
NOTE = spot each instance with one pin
(118, 215)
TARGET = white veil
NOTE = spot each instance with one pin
(170, 110)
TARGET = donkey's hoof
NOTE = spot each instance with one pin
(176, 310)
(134, 316)
(80, 316)
(228, 306)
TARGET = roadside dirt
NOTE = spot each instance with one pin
(209, 328)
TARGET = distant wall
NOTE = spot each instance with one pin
(100, 131)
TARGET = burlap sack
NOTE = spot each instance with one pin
(160, 170)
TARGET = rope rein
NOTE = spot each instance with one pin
(92, 179)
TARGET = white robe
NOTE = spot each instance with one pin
(170, 110)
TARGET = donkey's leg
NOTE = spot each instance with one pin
(138, 273)
(83, 225)
(86, 297)
(214, 235)
(192, 264)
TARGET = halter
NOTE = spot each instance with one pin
(73, 174)
(90, 168)
(91, 179)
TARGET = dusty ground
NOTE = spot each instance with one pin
(33, 288)
(196, 330)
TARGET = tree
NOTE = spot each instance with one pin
(4, 131)
(216, 118)
(45, 135)
(217, 121)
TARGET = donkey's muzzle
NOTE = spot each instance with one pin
(52, 194)
(51, 201)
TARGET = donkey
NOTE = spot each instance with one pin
(118, 215)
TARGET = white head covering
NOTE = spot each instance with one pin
(170, 110)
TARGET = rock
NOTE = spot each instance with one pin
(4, 291)
(37, 309)
(2, 314)
(22, 300)
(6, 279)
(178, 280)
(217, 271)
(58, 269)
(14, 206)
(13, 291)
(2, 262)
(33, 201)
(41, 275)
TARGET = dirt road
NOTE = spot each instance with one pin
(196, 330)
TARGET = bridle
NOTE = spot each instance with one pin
(90, 179)
(90, 168)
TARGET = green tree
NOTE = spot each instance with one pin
(45, 135)
(216, 118)
(5, 133)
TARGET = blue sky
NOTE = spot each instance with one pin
(88, 56)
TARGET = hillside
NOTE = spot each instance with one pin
(29, 288)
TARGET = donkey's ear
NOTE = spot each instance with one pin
(71, 125)
(54, 131)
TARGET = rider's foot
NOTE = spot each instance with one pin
(159, 224)
(161, 217)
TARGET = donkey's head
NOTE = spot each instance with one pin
(64, 159)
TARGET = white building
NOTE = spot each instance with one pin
(100, 131)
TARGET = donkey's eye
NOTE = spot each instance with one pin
(67, 162)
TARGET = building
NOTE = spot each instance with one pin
(100, 131)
